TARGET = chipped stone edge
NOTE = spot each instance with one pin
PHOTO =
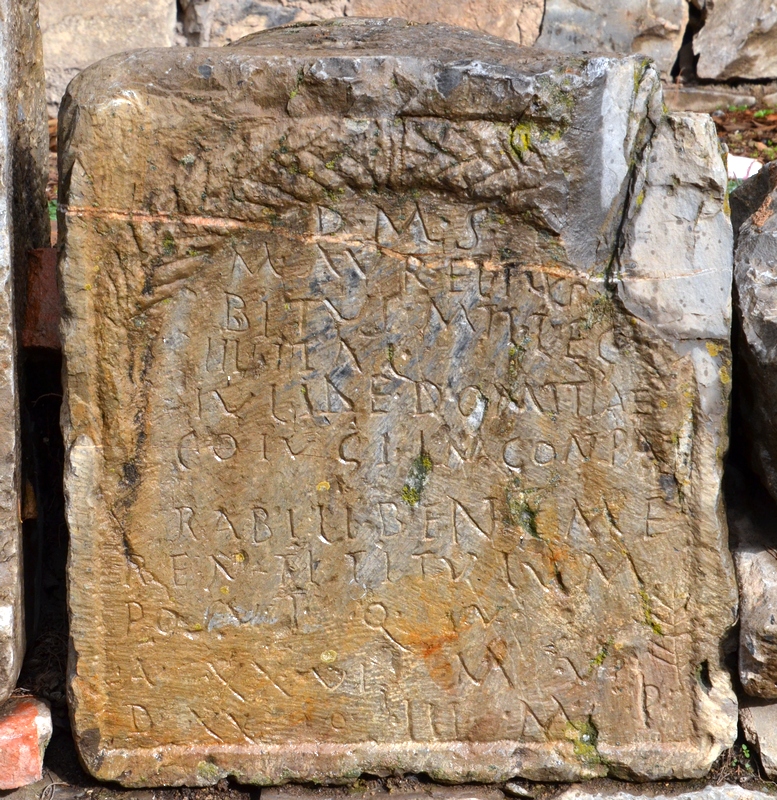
(447, 762)
(702, 332)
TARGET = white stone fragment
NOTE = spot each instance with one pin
(740, 168)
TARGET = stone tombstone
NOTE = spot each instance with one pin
(23, 225)
(617, 26)
(392, 446)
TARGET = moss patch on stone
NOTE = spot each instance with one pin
(417, 478)
(584, 737)
(647, 613)
(522, 509)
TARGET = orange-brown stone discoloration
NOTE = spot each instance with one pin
(352, 412)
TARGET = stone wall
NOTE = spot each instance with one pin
(23, 225)
(77, 33)
(734, 39)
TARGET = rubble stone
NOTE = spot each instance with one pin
(617, 26)
(724, 792)
(25, 730)
(77, 33)
(759, 723)
(23, 225)
(751, 512)
(393, 426)
(738, 40)
(756, 565)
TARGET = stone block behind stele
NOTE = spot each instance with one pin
(24, 225)
(397, 378)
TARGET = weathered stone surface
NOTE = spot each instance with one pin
(738, 40)
(751, 524)
(220, 22)
(25, 730)
(724, 792)
(753, 207)
(77, 33)
(618, 26)
(391, 444)
(759, 723)
(705, 99)
(746, 199)
(23, 225)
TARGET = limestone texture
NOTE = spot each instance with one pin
(738, 40)
(25, 731)
(391, 444)
(753, 214)
(23, 225)
(757, 573)
(654, 28)
(76, 33)
(219, 22)
(759, 723)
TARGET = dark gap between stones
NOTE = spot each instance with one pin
(684, 68)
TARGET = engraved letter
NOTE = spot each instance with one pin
(236, 318)
(262, 531)
(185, 515)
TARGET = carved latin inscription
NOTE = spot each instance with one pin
(392, 472)
(370, 466)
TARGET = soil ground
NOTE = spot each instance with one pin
(750, 132)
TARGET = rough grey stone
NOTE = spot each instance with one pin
(396, 403)
(759, 723)
(617, 26)
(724, 792)
(751, 516)
(746, 199)
(738, 40)
(23, 225)
(755, 275)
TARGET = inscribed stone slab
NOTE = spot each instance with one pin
(23, 225)
(390, 445)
